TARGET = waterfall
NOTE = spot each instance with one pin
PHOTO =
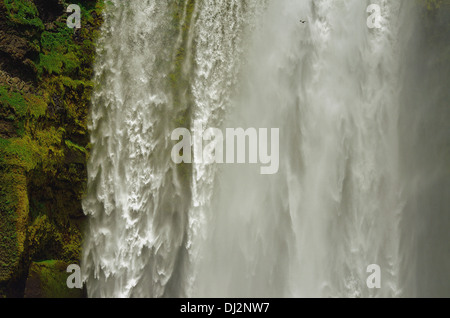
(333, 86)
(143, 216)
(341, 200)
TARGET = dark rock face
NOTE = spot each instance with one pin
(16, 50)
(45, 87)
(49, 10)
(7, 129)
(14, 46)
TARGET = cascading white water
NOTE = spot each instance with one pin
(218, 36)
(143, 218)
(333, 86)
(135, 199)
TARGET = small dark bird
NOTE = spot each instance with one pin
(302, 21)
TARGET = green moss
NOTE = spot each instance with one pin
(58, 52)
(14, 100)
(23, 12)
(52, 64)
(44, 150)
(75, 96)
(50, 237)
(71, 63)
(182, 15)
(72, 246)
(68, 82)
(181, 9)
(19, 152)
(12, 200)
(63, 53)
(43, 238)
(43, 165)
(48, 144)
(3, 143)
(178, 81)
(435, 4)
(48, 279)
(75, 147)
(20, 106)
(22, 153)
(36, 105)
(60, 41)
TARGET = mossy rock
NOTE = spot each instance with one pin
(24, 13)
(48, 279)
(44, 144)
(13, 222)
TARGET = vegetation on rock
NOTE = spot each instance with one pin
(47, 279)
(45, 88)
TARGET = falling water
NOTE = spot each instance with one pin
(342, 198)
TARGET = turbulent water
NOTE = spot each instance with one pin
(354, 187)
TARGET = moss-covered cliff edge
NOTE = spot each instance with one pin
(45, 88)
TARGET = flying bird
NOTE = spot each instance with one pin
(302, 21)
